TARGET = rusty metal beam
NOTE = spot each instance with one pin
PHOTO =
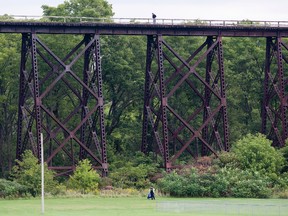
(274, 105)
(177, 133)
(64, 137)
(142, 29)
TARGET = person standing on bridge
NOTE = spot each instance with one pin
(154, 18)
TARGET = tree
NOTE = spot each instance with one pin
(28, 173)
(254, 152)
(85, 178)
(9, 67)
(80, 8)
(244, 75)
(123, 75)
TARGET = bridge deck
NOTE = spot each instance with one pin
(143, 29)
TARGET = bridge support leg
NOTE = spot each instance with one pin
(51, 102)
(155, 87)
(274, 110)
(184, 107)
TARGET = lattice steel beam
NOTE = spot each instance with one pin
(72, 123)
(274, 110)
(174, 123)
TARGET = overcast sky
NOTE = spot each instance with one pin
(174, 9)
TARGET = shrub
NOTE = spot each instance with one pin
(131, 176)
(224, 183)
(85, 178)
(245, 183)
(12, 189)
(227, 159)
(28, 173)
(254, 152)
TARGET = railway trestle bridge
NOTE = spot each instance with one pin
(203, 130)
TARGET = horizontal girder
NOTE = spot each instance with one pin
(142, 29)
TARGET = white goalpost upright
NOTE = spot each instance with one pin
(42, 175)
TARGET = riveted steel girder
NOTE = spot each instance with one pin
(63, 99)
(274, 110)
(184, 106)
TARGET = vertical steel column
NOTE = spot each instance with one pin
(163, 100)
(83, 153)
(283, 102)
(37, 99)
(274, 100)
(104, 160)
(24, 51)
(207, 93)
(149, 52)
(223, 95)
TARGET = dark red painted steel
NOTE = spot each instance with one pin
(176, 134)
(274, 111)
(179, 133)
(37, 99)
(63, 138)
(163, 102)
(149, 51)
(143, 29)
(24, 51)
(223, 96)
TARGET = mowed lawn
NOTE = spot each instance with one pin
(140, 206)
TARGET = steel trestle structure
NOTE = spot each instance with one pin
(204, 127)
(70, 136)
(274, 110)
(176, 130)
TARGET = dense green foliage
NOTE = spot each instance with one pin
(85, 178)
(27, 172)
(222, 183)
(80, 8)
(134, 173)
(255, 153)
(12, 189)
(252, 169)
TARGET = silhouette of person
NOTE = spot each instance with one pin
(152, 193)
(154, 18)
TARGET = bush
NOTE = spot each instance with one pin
(245, 183)
(227, 159)
(85, 178)
(28, 173)
(131, 176)
(254, 152)
(224, 183)
(12, 189)
(173, 184)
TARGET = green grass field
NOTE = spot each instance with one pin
(141, 206)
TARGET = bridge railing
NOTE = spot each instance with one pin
(158, 21)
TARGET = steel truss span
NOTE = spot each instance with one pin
(168, 131)
(68, 137)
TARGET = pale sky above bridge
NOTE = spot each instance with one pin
(269, 10)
